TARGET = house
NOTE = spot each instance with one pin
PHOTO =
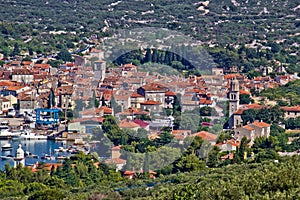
(115, 158)
(252, 131)
(42, 67)
(14, 90)
(12, 100)
(133, 174)
(181, 135)
(27, 103)
(132, 113)
(126, 123)
(211, 138)
(237, 115)
(4, 104)
(229, 145)
(22, 75)
(123, 101)
(64, 96)
(99, 54)
(151, 105)
(154, 92)
(85, 125)
(142, 124)
(169, 99)
(128, 69)
(217, 71)
(291, 112)
(104, 110)
(136, 100)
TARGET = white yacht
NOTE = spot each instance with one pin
(28, 135)
(6, 134)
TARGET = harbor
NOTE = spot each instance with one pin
(42, 151)
(46, 145)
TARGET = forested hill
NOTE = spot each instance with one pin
(217, 21)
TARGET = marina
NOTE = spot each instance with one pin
(36, 151)
(42, 140)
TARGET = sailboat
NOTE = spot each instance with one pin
(48, 156)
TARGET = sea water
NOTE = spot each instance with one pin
(36, 147)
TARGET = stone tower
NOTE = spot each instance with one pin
(234, 100)
(20, 157)
(99, 69)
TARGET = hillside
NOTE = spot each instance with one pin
(214, 21)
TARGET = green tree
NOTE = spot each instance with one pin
(116, 107)
(190, 162)
(16, 51)
(246, 99)
(34, 187)
(213, 157)
(48, 194)
(64, 55)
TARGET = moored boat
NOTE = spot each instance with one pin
(27, 135)
(6, 134)
(6, 147)
(30, 155)
(6, 157)
(48, 157)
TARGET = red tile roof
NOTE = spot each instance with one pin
(291, 109)
(116, 147)
(14, 88)
(26, 62)
(95, 119)
(106, 110)
(228, 156)
(150, 102)
(22, 72)
(154, 87)
(231, 142)
(206, 135)
(7, 83)
(260, 124)
(244, 92)
(125, 123)
(170, 93)
(231, 76)
(141, 123)
(135, 95)
(42, 66)
(248, 127)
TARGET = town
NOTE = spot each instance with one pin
(69, 103)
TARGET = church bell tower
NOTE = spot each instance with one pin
(234, 100)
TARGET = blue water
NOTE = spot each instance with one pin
(37, 147)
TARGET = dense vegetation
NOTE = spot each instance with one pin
(252, 179)
(289, 92)
(243, 34)
(225, 22)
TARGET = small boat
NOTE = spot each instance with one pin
(6, 147)
(6, 157)
(61, 157)
(30, 155)
(47, 157)
(60, 149)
